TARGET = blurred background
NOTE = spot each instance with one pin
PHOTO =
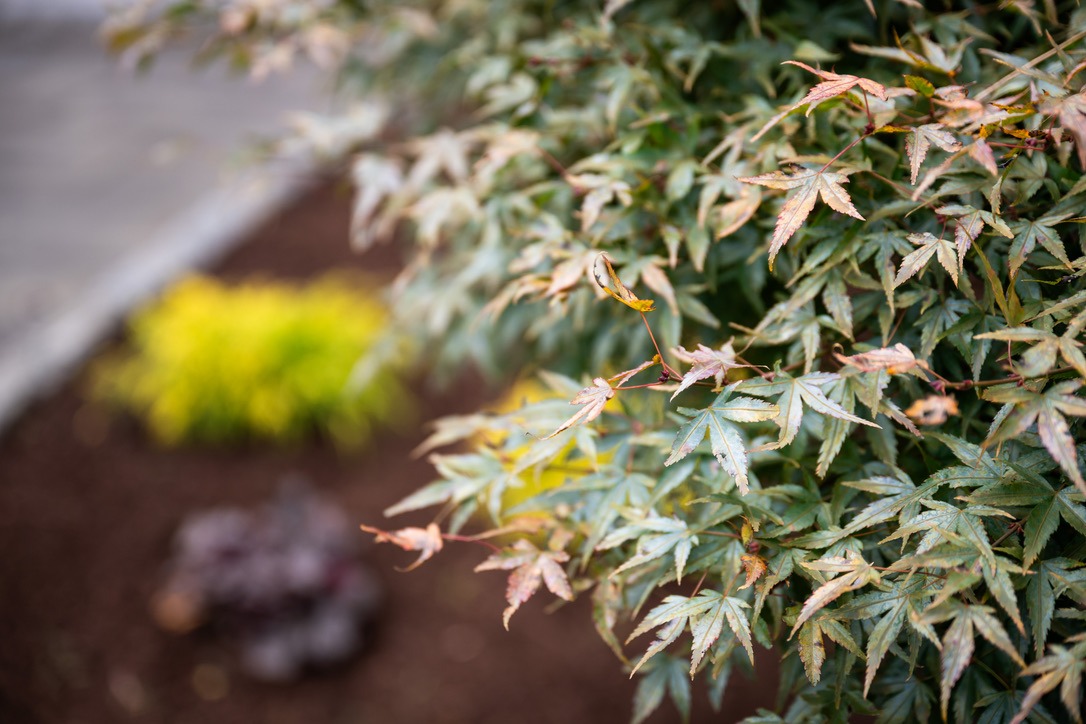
(112, 181)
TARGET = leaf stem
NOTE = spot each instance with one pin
(843, 151)
(667, 368)
(470, 539)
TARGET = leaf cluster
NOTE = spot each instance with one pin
(837, 250)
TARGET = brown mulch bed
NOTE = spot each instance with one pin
(87, 510)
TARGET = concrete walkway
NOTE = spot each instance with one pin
(110, 184)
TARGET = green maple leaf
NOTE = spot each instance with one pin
(959, 640)
(465, 478)
(603, 496)
(1041, 594)
(706, 614)
(854, 572)
(1028, 489)
(664, 675)
(794, 394)
(725, 439)
(656, 536)
(1029, 232)
(1046, 410)
(946, 522)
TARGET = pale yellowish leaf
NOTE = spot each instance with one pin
(593, 398)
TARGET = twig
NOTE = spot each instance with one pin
(990, 90)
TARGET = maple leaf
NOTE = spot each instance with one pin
(656, 536)
(969, 222)
(1062, 667)
(599, 191)
(705, 363)
(1041, 593)
(706, 613)
(376, 179)
(754, 567)
(919, 141)
(1030, 489)
(1041, 357)
(946, 522)
(1028, 232)
(620, 290)
(593, 398)
(445, 151)
(930, 246)
(1047, 410)
(833, 85)
(933, 409)
(443, 207)
(1071, 112)
(807, 186)
(981, 152)
(725, 440)
(855, 573)
(883, 635)
(530, 567)
(426, 540)
(812, 652)
(793, 393)
(895, 360)
(665, 675)
(959, 641)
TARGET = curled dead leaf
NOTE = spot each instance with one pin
(933, 409)
(619, 291)
(427, 541)
(895, 360)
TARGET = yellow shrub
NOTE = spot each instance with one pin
(568, 463)
(263, 360)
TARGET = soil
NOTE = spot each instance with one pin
(88, 506)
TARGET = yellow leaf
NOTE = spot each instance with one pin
(620, 291)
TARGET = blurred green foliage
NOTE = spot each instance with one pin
(218, 363)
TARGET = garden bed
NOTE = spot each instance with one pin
(88, 506)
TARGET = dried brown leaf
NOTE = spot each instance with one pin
(427, 541)
(933, 409)
(896, 360)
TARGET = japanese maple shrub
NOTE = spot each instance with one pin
(822, 264)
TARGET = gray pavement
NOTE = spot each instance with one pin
(111, 183)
